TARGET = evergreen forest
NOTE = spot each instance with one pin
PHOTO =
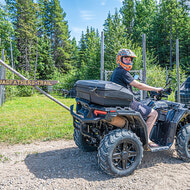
(43, 49)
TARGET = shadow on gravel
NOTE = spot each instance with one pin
(72, 163)
(66, 163)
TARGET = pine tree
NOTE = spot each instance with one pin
(82, 49)
(45, 62)
(144, 13)
(74, 53)
(89, 55)
(168, 25)
(55, 27)
(128, 16)
(183, 34)
(45, 17)
(61, 43)
(6, 30)
(169, 9)
(93, 54)
(115, 39)
(24, 18)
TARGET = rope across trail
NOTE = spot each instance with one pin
(36, 87)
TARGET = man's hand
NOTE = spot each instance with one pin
(159, 89)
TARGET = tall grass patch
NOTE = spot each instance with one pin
(25, 119)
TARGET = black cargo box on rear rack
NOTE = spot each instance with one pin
(104, 93)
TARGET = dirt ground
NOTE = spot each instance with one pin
(61, 165)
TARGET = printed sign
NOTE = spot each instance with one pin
(28, 82)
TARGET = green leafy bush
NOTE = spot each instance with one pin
(12, 91)
(156, 76)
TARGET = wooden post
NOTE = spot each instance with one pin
(144, 63)
(141, 92)
(36, 63)
(102, 56)
(177, 66)
(166, 74)
(2, 76)
(36, 68)
(170, 43)
(12, 63)
(106, 75)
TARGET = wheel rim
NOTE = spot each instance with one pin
(88, 141)
(124, 155)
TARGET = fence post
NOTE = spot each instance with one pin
(12, 63)
(2, 76)
(166, 74)
(144, 63)
(177, 65)
(141, 92)
(106, 75)
(102, 56)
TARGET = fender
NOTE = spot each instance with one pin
(174, 124)
(136, 123)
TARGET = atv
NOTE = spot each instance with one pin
(104, 122)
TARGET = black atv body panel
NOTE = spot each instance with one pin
(85, 116)
(169, 115)
(104, 93)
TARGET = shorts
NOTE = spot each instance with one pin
(142, 109)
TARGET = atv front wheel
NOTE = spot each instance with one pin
(83, 142)
(183, 143)
(120, 152)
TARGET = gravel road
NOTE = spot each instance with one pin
(61, 165)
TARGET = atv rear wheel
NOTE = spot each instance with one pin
(83, 142)
(120, 152)
(183, 143)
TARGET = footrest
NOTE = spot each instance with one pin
(160, 148)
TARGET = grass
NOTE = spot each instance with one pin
(25, 119)
(3, 158)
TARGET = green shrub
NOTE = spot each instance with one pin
(12, 91)
(66, 81)
(156, 76)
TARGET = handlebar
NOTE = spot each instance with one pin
(160, 94)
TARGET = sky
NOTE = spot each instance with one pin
(83, 13)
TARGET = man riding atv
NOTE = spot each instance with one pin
(110, 121)
(122, 77)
